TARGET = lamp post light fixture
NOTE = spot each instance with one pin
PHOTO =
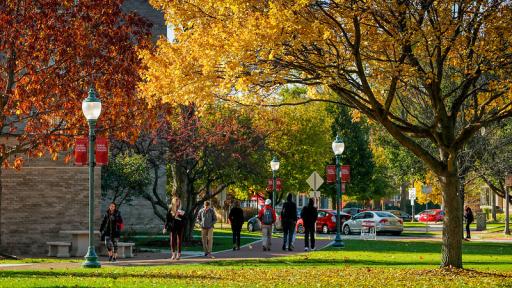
(91, 107)
(337, 147)
(274, 165)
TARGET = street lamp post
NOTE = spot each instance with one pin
(337, 147)
(274, 165)
(91, 107)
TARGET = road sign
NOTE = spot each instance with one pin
(315, 181)
(412, 194)
(508, 180)
(314, 194)
(426, 189)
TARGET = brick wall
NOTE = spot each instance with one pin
(42, 199)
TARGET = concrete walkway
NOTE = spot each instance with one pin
(250, 251)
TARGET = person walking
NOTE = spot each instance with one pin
(110, 230)
(207, 219)
(175, 225)
(236, 218)
(267, 217)
(309, 214)
(288, 220)
(468, 215)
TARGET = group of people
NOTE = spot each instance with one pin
(175, 223)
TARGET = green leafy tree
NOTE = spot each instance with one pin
(126, 176)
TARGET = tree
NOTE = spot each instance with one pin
(51, 52)
(125, 177)
(435, 60)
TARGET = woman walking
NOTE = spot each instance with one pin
(468, 214)
(175, 225)
(236, 218)
(110, 229)
(309, 215)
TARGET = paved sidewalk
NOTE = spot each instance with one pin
(250, 251)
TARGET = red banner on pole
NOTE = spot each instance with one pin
(81, 151)
(345, 173)
(101, 152)
(270, 184)
(330, 174)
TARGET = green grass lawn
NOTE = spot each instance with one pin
(359, 264)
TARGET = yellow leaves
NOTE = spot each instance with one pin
(435, 196)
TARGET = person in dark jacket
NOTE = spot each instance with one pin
(111, 230)
(309, 214)
(236, 218)
(468, 215)
(288, 220)
(175, 225)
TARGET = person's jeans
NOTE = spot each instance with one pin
(207, 237)
(176, 239)
(236, 235)
(309, 232)
(288, 231)
(266, 235)
(468, 233)
(111, 242)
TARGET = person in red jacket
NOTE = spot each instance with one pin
(267, 217)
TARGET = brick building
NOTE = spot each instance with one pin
(46, 196)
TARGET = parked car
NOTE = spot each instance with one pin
(254, 224)
(433, 215)
(385, 222)
(325, 223)
(352, 211)
(401, 214)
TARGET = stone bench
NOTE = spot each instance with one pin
(58, 249)
(124, 249)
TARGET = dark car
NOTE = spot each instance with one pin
(326, 221)
(401, 214)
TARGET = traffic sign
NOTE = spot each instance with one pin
(315, 181)
(412, 193)
(314, 194)
(426, 189)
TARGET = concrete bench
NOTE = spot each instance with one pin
(58, 249)
(125, 249)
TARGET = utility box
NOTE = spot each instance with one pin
(481, 221)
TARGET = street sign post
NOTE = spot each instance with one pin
(412, 196)
(315, 181)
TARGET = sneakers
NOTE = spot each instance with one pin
(114, 259)
(284, 248)
(173, 257)
(264, 248)
(306, 249)
(178, 257)
(313, 249)
(206, 254)
(290, 249)
(109, 258)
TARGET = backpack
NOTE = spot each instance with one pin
(267, 218)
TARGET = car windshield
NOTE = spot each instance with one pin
(384, 214)
(430, 212)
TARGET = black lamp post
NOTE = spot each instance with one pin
(337, 147)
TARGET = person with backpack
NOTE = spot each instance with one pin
(309, 214)
(175, 225)
(267, 217)
(288, 220)
(236, 218)
(110, 230)
(468, 215)
(207, 219)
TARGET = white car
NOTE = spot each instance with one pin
(384, 222)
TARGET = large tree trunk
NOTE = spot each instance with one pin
(183, 187)
(452, 228)
(403, 197)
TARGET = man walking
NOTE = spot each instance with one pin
(236, 218)
(288, 220)
(207, 219)
(309, 214)
(267, 216)
(468, 214)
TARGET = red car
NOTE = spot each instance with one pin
(434, 215)
(326, 221)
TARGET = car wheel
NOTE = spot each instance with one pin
(396, 233)
(250, 227)
(325, 229)
(300, 229)
(346, 230)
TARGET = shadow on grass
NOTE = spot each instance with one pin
(103, 274)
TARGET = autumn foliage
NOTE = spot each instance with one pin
(51, 52)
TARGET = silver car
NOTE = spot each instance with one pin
(384, 222)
